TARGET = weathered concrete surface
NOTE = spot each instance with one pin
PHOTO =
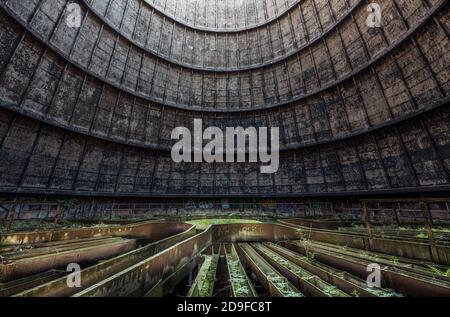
(219, 16)
(341, 99)
(47, 160)
(318, 66)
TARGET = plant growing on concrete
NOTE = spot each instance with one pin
(394, 260)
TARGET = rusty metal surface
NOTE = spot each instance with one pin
(167, 286)
(16, 286)
(341, 279)
(406, 264)
(254, 232)
(407, 283)
(402, 246)
(106, 269)
(274, 282)
(148, 230)
(24, 252)
(138, 272)
(308, 283)
(21, 267)
(317, 224)
(140, 278)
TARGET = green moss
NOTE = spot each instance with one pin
(383, 292)
(394, 260)
(204, 283)
(204, 223)
(439, 272)
(355, 293)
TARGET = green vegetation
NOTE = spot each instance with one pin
(394, 260)
(383, 292)
(379, 292)
(283, 285)
(204, 283)
(238, 278)
(204, 223)
(285, 288)
(442, 229)
(364, 253)
(30, 225)
(412, 231)
(326, 288)
(355, 293)
(38, 225)
(439, 272)
(310, 256)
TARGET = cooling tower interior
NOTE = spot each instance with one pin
(224, 148)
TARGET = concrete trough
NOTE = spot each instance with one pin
(274, 282)
(343, 280)
(203, 285)
(106, 269)
(405, 282)
(138, 279)
(240, 283)
(308, 283)
(17, 268)
(401, 246)
(142, 230)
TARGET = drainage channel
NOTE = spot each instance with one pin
(102, 270)
(19, 285)
(19, 264)
(343, 280)
(274, 282)
(203, 285)
(412, 248)
(429, 269)
(405, 282)
(222, 285)
(241, 286)
(177, 282)
(308, 283)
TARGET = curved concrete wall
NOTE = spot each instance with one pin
(350, 49)
(38, 158)
(223, 16)
(226, 51)
(90, 111)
